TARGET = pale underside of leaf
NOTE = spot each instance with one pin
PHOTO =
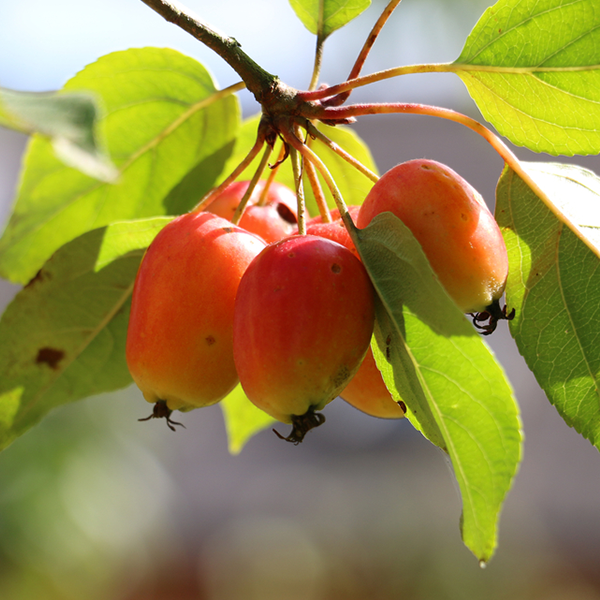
(69, 120)
(554, 285)
(455, 391)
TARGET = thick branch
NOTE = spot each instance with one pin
(257, 80)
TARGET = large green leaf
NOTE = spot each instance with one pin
(553, 241)
(433, 359)
(533, 68)
(161, 122)
(353, 185)
(323, 17)
(63, 335)
(69, 120)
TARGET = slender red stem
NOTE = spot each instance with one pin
(239, 211)
(272, 173)
(313, 179)
(309, 155)
(364, 52)
(296, 158)
(352, 84)
(314, 132)
(258, 144)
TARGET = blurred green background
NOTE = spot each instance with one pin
(96, 506)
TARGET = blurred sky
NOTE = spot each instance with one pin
(43, 43)
(370, 506)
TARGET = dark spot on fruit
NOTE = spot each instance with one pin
(286, 214)
(291, 254)
(402, 406)
(50, 357)
(341, 377)
(335, 268)
(40, 276)
(210, 340)
(227, 229)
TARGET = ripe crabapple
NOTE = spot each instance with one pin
(450, 220)
(304, 317)
(335, 230)
(366, 390)
(180, 338)
(272, 220)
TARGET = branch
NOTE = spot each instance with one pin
(257, 80)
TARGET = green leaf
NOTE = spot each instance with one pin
(455, 391)
(323, 17)
(553, 241)
(69, 120)
(162, 120)
(353, 185)
(533, 68)
(63, 335)
(242, 419)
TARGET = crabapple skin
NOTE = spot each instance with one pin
(275, 219)
(335, 230)
(368, 392)
(304, 317)
(450, 220)
(180, 336)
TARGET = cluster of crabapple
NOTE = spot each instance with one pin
(291, 316)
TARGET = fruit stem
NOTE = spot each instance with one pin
(497, 144)
(212, 194)
(310, 156)
(239, 211)
(319, 48)
(315, 184)
(352, 84)
(272, 173)
(314, 132)
(297, 168)
(362, 56)
(355, 110)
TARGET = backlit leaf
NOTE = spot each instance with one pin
(242, 419)
(161, 123)
(533, 68)
(323, 17)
